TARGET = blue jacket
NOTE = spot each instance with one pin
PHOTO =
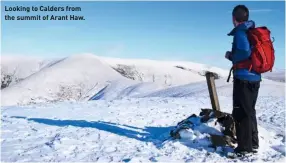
(241, 50)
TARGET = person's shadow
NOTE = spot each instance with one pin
(155, 135)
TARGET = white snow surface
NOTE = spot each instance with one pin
(128, 120)
(134, 129)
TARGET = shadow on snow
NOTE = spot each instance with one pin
(155, 135)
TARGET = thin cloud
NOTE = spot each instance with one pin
(116, 50)
(257, 10)
(260, 10)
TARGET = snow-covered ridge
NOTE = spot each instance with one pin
(164, 72)
(81, 77)
(87, 76)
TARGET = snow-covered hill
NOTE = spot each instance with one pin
(162, 72)
(167, 73)
(83, 77)
(86, 76)
(72, 78)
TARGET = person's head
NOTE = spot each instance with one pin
(240, 14)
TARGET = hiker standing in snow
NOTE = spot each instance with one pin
(246, 84)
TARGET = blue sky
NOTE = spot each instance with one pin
(188, 31)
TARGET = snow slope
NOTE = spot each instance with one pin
(162, 72)
(271, 96)
(83, 77)
(167, 73)
(276, 75)
(134, 129)
(86, 76)
(126, 130)
(269, 88)
(171, 73)
(72, 78)
(21, 66)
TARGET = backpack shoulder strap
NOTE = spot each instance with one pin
(230, 71)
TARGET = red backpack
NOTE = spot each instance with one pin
(262, 51)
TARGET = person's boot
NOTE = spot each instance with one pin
(255, 149)
(241, 152)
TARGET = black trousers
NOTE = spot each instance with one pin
(245, 94)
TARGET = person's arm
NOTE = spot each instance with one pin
(228, 55)
(242, 47)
